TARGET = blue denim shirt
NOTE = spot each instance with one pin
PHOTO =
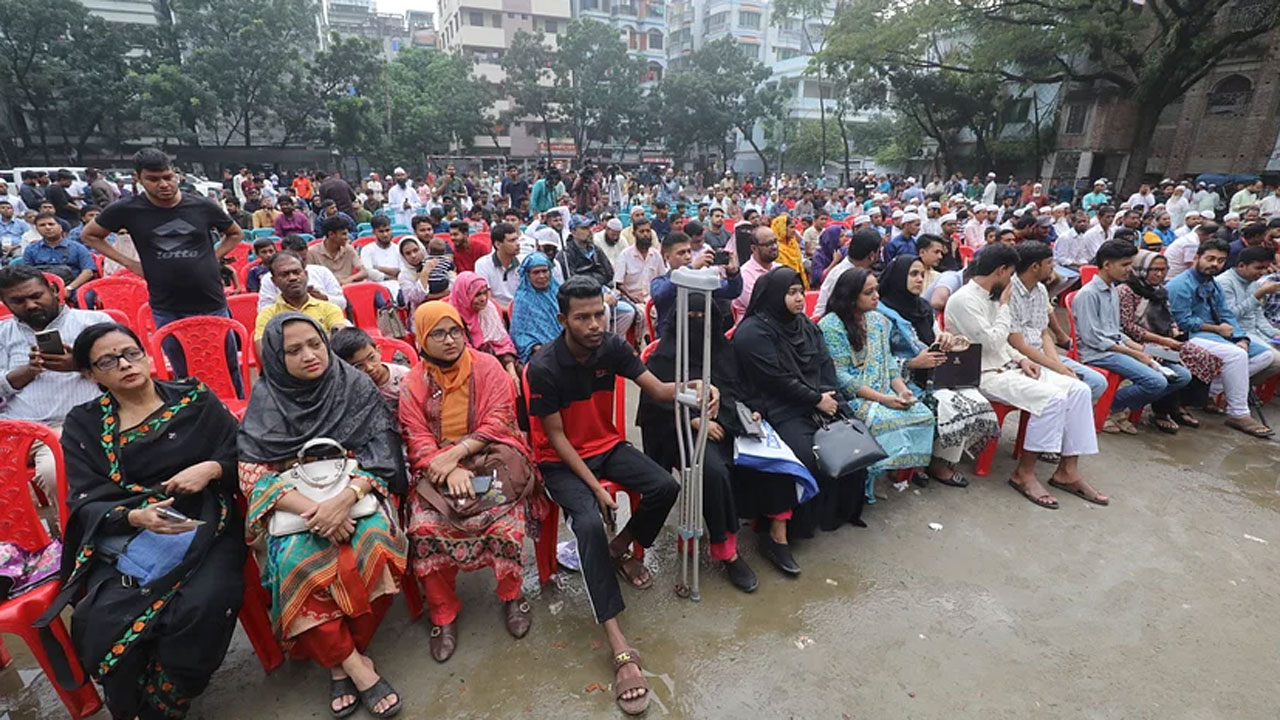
(663, 293)
(66, 252)
(1197, 300)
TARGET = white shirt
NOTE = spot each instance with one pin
(1072, 249)
(633, 273)
(1093, 239)
(19, 207)
(318, 277)
(989, 193)
(610, 251)
(502, 281)
(51, 395)
(374, 188)
(395, 202)
(1181, 254)
(1178, 207)
(374, 254)
(1148, 201)
(1270, 206)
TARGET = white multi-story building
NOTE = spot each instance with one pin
(132, 12)
(483, 30)
(642, 24)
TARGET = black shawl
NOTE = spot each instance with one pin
(285, 413)
(913, 308)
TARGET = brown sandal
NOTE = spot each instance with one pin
(518, 617)
(631, 570)
(640, 703)
(1249, 426)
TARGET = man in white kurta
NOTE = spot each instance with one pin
(402, 199)
(1060, 408)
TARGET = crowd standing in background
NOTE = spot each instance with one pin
(458, 336)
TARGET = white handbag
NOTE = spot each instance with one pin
(319, 480)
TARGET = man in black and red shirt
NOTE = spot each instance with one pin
(571, 384)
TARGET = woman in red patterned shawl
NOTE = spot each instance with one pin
(458, 418)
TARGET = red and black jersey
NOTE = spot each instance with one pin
(581, 392)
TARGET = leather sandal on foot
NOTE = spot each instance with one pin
(375, 694)
(1097, 499)
(1247, 425)
(956, 479)
(632, 570)
(640, 703)
(518, 617)
(1038, 500)
(444, 640)
(340, 688)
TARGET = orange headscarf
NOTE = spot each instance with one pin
(789, 251)
(452, 379)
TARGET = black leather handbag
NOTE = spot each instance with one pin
(843, 446)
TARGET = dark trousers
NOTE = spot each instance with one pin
(634, 471)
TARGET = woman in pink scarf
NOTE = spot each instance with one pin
(485, 330)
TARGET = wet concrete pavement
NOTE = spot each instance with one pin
(1156, 607)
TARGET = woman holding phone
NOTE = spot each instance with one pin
(149, 465)
(472, 475)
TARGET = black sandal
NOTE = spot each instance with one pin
(1164, 424)
(1187, 419)
(956, 479)
(378, 692)
(340, 688)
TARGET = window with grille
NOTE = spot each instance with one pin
(1076, 115)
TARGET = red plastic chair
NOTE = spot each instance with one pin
(362, 241)
(649, 313)
(966, 255)
(146, 322)
(982, 467)
(545, 546)
(361, 307)
(244, 310)
(1267, 390)
(119, 317)
(20, 524)
(126, 293)
(243, 273)
(239, 255)
(648, 351)
(388, 347)
(1102, 408)
(810, 302)
(59, 286)
(1086, 274)
(203, 341)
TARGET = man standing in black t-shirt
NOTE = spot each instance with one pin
(64, 206)
(174, 233)
(571, 384)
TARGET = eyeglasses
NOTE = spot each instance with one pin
(110, 362)
(440, 335)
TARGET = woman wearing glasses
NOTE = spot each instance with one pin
(139, 459)
(472, 476)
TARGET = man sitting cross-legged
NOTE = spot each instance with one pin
(1061, 414)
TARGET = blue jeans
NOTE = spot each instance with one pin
(178, 361)
(1148, 384)
(1094, 379)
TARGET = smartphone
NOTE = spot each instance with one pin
(480, 484)
(173, 516)
(752, 426)
(49, 342)
(721, 257)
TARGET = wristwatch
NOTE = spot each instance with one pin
(356, 489)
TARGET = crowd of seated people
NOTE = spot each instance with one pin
(507, 402)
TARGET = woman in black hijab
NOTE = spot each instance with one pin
(729, 493)
(331, 583)
(787, 376)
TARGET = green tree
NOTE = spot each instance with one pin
(530, 84)
(721, 90)
(596, 81)
(813, 17)
(1150, 52)
(435, 104)
(317, 87)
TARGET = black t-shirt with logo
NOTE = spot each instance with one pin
(175, 246)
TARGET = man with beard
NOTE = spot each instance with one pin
(1060, 411)
(380, 258)
(291, 220)
(764, 251)
(582, 257)
(638, 265)
(1160, 235)
(402, 199)
(609, 240)
(35, 385)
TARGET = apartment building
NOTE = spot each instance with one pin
(642, 25)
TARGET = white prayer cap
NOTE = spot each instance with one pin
(957, 198)
(911, 181)
(874, 211)
(862, 220)
(910, 217)
(1193, 213)
(1206, 214)
(1019, 212)
(897, 214)
(1030, 206)
(949, 217)
(1099, 181)
(614, 224)
(1046, 209)
(1230, 216)
(991, 175)
(935, 205)
(398, 171)
(1064, 206)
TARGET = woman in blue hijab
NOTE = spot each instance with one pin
(534, 310)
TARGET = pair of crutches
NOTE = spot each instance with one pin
(692, 445)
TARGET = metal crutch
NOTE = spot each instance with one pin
(692, 448)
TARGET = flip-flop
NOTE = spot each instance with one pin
(378, 692)
(1034, 500)
(1169, 428)
(1186, 419)
(1255, 429)
(1096, 500)
(635, 705)
(339, 688)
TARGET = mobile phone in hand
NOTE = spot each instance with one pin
(177, 518)
(49, 342)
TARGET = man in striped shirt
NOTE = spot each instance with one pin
(37, 386)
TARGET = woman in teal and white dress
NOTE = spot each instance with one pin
(867, 376)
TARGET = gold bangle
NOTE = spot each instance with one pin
(355, 489)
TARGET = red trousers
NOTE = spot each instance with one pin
(332, 642)
(442, 597)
